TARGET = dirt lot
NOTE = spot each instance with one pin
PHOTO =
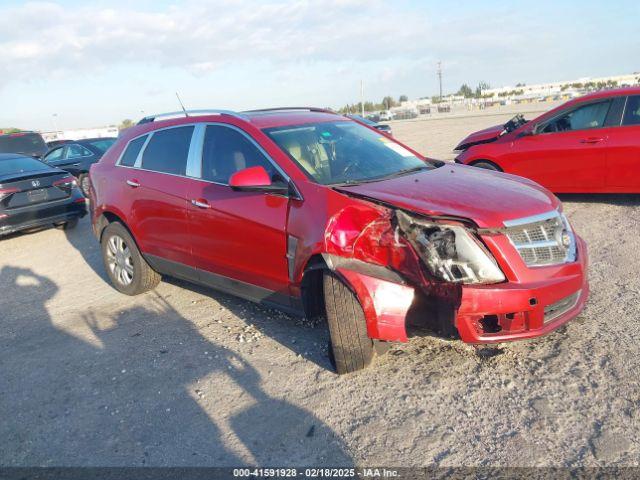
(187, 376)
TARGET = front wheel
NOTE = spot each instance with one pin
(127, 269)
(486, 165)
(351, 347)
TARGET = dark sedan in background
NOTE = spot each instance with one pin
(25, 143)
(370, 123)
(33, 194)
(76, 157)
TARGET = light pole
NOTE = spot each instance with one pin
(55, 124)
(362, 97)
(440, 78)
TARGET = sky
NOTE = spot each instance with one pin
(70, 64)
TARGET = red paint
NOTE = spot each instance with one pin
(243, 234)
(384, 322)
(592, 160)
(250, 177)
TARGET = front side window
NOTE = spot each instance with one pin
(632, 111)
(585, 117)
(227, 151)
(131, 153)
(76, 151)
(167, 151)
(54, 155)
(345, 152)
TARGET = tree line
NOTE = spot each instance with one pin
(386, 103)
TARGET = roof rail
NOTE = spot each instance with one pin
(190, 113)
(280, 109)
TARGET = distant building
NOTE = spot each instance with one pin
(80, 133)
(559, 90)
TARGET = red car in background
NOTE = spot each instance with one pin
(317, 214)
(588, 145)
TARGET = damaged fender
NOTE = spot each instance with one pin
(377, 252)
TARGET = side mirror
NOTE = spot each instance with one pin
(533, 130)
(256, 179)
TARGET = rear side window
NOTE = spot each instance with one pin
(632, 112)
(132, 151)
(167, 151)
(227, 151)
(103, 144)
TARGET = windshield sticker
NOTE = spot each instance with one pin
(398, 149)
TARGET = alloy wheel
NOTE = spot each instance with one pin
(120, 260)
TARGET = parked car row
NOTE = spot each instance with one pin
(76, 157)
(33, 194)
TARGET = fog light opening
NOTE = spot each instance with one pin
(490, 324)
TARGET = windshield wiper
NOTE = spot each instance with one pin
(406, 171)
(399, 173)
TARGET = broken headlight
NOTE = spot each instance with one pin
(451, 253)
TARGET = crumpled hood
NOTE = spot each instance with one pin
(486, 197)
(481, 136)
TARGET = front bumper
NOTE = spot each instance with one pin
(47, 214)
(515, 311)
(530, 307)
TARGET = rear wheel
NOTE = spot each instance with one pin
(351, 348)
(486, 165)
(127, 269)
(68, 225)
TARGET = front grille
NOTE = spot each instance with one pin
(542, 240)
(553, 311)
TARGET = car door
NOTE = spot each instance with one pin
(623, 155)
(73, 158)
(238, 239)
(156, 189)
(566, 153)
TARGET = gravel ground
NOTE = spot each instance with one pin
(188, 376)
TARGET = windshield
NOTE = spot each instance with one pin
(103, 144)
(344, 152)
(515, 123)
(26, 143)
(10, 166)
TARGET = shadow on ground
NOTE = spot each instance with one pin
(121, 388)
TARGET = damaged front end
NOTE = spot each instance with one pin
(407, 270)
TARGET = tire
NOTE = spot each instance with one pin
(486, 165)
(83, 181)
(352, 349)
(71, 224)
(68, 225)
(128, 271)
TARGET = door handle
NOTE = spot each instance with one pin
(133, 183)
(592, 140)
(200, 204)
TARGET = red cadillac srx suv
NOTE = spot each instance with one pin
(588, 145)
(316, 214)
